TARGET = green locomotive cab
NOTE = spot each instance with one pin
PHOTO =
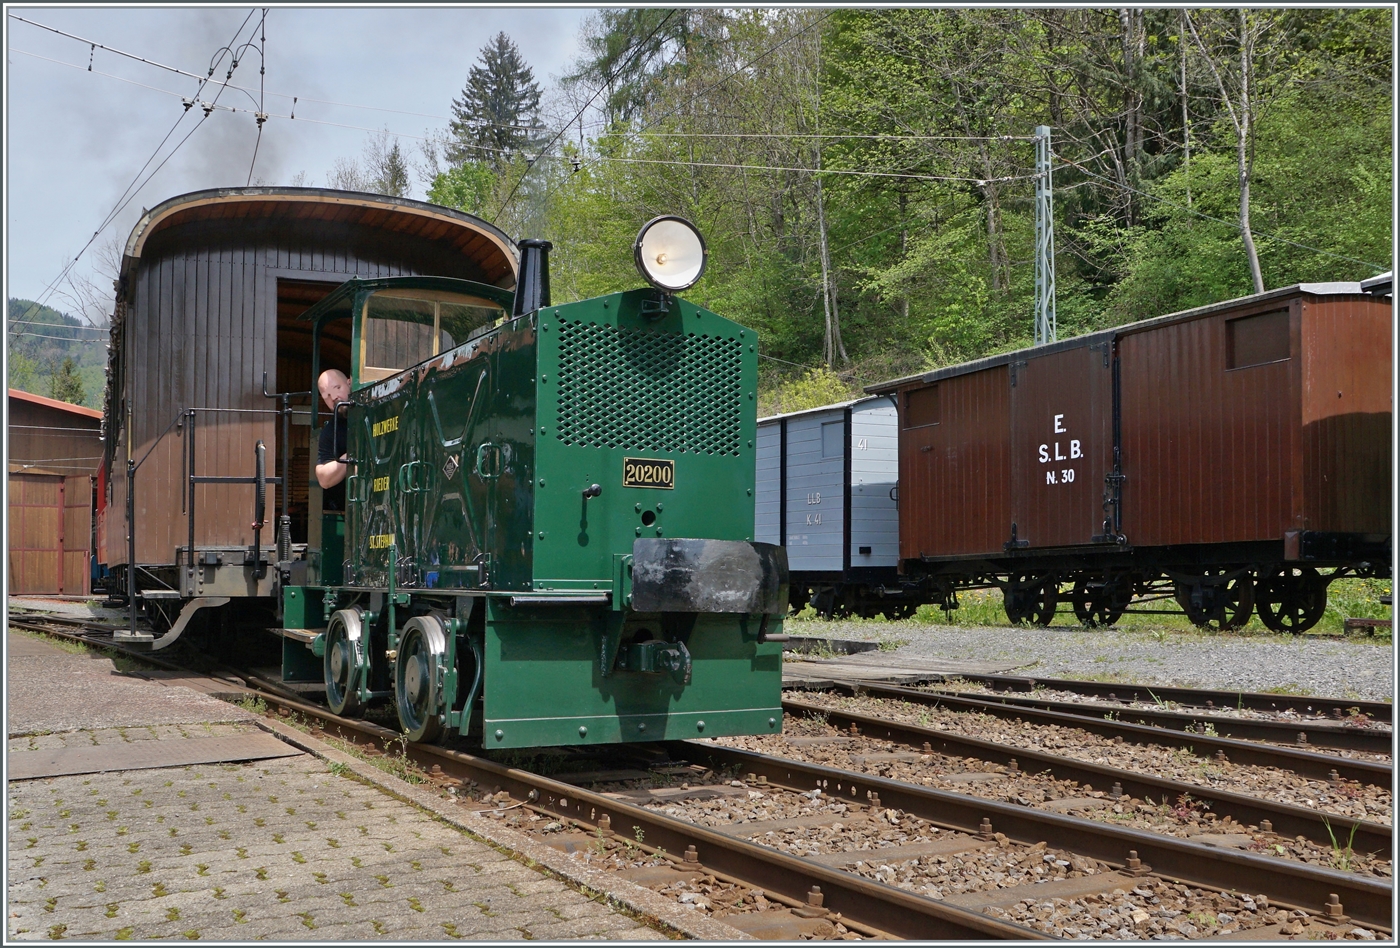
(549, 518)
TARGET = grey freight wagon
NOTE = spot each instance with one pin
(827, 490)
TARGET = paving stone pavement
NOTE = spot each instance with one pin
(282, 850)
(50, 689)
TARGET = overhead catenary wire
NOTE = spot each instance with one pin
(284, 95)
(40, 335)
(272, 115)
(828, 136)
(129, 194)
(915, 176)
(262, 99)
(628, 54)
(1379, 268)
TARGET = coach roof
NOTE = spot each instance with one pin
(490, 247)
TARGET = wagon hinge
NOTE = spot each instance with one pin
(1112, 510)
(1013, 543)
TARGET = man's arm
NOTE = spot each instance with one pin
(331, 473)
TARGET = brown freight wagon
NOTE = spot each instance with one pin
(205, 326)
(1222, 456)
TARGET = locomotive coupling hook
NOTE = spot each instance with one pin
(593, 490)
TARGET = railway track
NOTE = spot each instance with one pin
(1195, 697)
(1302, 762)
(1093, 863)
(1285, 820)
(1340, 735)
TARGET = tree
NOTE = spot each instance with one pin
(498, 112)
(381, 169)
(467, 187)
(65, 385)
(22, 368)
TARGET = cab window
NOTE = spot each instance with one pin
(403, 327)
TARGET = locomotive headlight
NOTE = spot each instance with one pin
(670, 254)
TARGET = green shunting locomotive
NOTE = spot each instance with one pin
(549, 513)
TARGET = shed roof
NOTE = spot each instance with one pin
(77, 410)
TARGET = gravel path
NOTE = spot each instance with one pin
(1302, 665)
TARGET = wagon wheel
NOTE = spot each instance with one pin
(900, 611)
(1016, 599)
(1225, 607)
(342, 663)
(1292, 599)
(1098, 605)
(1028, 598)
(417, 678)
(1043, 600)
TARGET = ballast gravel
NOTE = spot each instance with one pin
(1345, 799)
(1183, 818)
(1353, 668)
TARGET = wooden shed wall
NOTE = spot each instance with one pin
(49, 533)
(200, 331)
(53, 439)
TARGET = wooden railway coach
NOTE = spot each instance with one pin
(205, 326)
(1220, 456)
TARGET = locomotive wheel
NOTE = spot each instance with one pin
(1230, 608)
(1292, 599)
(417, 693)
(1098, 605)
(341, 665)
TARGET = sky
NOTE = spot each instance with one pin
(75, 139)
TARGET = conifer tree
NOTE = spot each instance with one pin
(497, 115)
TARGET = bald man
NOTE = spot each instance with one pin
(331, 466)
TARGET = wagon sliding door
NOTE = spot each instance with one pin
(1062, 445)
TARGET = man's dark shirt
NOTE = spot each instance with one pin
(333, 445)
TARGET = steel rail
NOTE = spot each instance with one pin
(1304, 763)
(1197, 697)
(885, 909)
(1288, 821)
(1319, 735)
(1296, 885)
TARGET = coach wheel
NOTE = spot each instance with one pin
(1223, 606)
(418, 672)
(1099, 604)
(1292, 599)
(343, 660)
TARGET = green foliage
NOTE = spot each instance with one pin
(725, 117)
(815, 388)
(1322, 178)
(467, 187)
(53, 352)
(22, 371)
(64, 383)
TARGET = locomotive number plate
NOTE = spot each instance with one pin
(644, 472)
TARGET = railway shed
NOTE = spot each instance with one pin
(205, 327)
(53, 455)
